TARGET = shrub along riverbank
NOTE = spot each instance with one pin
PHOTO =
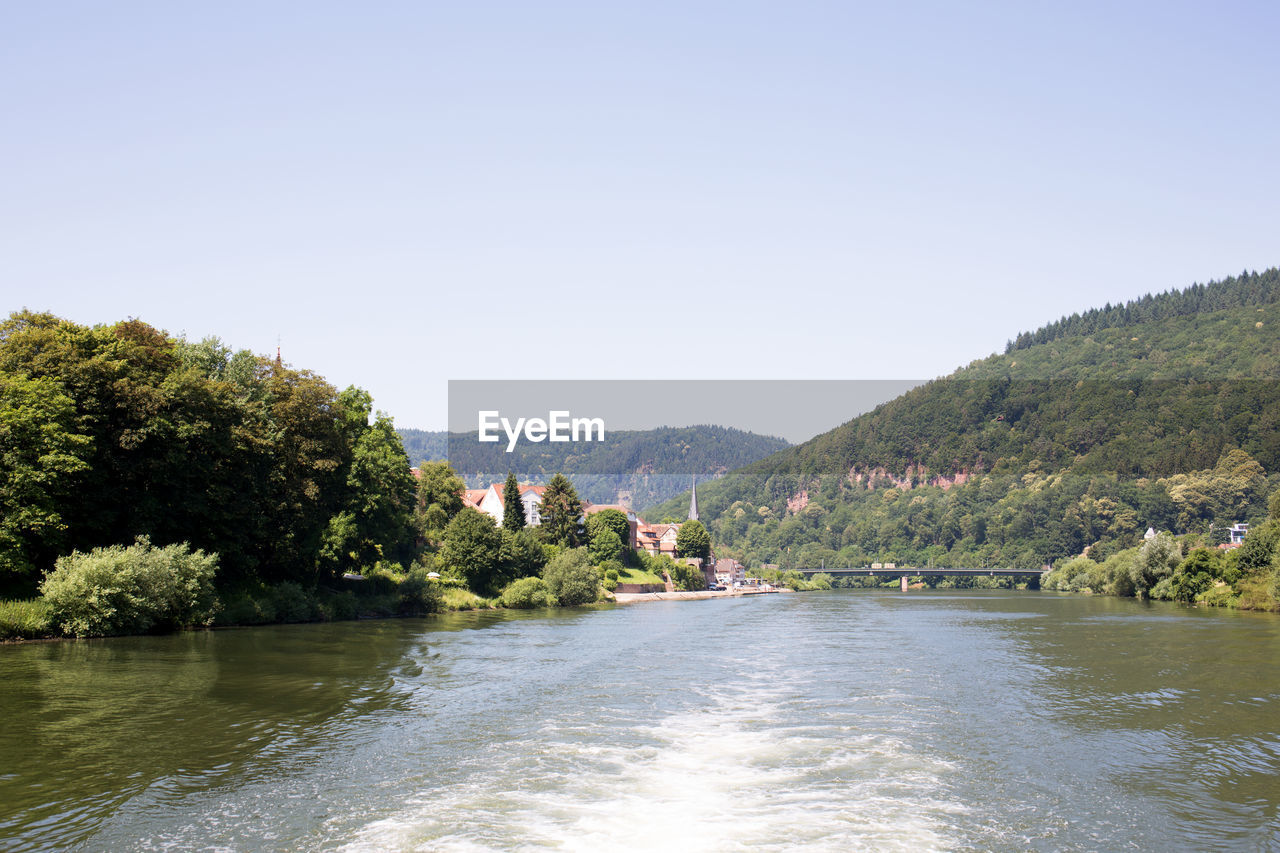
(1184, 569)
(143, 589)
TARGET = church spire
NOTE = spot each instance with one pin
(693, 501)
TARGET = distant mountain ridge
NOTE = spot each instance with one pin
(1163, 412)
(646, 466)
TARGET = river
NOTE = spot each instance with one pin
(845, 720)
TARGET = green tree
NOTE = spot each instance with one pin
(605, 546)
(438, 484)
(609, 519)
(521, 554)
(571, 578)
(381, 494)
(309, 458)
(1187, 586)
(42, 456)
(472, 548)
(1259, 548)
(561, 513)
(439, 498)
(693, 540)
(512, 506)
(1156, 561)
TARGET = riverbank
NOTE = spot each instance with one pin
(636, 597)
(31, 620)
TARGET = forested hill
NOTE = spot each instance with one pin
(648, 465)
(1249, 289)
(422, 445)
(1082, 440)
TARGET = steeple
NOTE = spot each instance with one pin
(693, 501)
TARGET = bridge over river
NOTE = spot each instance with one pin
(906, 572)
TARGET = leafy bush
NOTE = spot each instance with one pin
(293, 604)
(132, 590)
(821, 580)
(247, 609)
(1220, 595)
(571, 578)
(25, 620)
(689, 577)
(461, 598)
(525, 593)
(420, 594)
(338, 606)
(380, 579)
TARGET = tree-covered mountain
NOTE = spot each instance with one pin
(1163, 412)
(645, 466)
(422, 445)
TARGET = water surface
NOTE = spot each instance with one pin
(844, 721)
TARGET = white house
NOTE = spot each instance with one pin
(490, 502)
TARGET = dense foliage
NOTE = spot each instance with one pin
(112, 432)
(692, 540)
(526, 593)
(571, 579)
(1023, 459)
(131, 590)
(1249, 289)
(1183, 569)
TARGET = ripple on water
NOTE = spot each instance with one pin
(735, 771)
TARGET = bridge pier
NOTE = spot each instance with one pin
(904, 583)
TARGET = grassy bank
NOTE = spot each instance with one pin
(380, 595)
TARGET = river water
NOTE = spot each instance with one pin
(844, 720)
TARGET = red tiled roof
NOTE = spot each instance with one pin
(589, 508)
(524, 489)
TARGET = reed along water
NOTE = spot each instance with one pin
(845, 720)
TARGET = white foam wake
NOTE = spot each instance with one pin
(742, 768)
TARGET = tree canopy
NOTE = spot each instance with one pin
(117, 431)
(692, 540)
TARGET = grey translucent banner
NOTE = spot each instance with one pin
(640, 441)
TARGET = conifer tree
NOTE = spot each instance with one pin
(512, 507)
(561, 512)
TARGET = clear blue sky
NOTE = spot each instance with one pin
(405, 193)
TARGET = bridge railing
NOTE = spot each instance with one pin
(920, 571)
